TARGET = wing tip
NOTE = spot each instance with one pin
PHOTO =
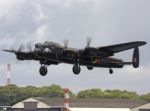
(140, 43)
(143, 43)
(11, 51)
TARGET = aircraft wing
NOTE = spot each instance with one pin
(110, 50)
(121, 47)
(11, 51)
(22, 55)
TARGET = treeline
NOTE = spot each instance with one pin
(12, 94)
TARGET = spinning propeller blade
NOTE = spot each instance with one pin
(89, 40)
(21, 48)
(66, 43)
(29, 47)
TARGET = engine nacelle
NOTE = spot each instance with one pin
(19, 57)
(135, 59)
(69, 54)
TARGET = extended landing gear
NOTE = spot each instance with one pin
(110, 71)
(43, 70)
(76, 69)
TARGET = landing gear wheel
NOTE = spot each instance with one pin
(110, 71)
(89, 67)
(76, 69)
(43, 70)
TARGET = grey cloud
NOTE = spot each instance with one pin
(106, 21)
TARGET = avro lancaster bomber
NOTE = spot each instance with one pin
(50, 53)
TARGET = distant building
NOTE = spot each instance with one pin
(57, 104)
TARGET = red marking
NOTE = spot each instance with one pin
(66, 100)
(65, 109)
(66, 90)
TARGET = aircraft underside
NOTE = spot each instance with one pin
(90, 64)
(76, 66)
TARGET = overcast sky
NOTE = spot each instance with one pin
(107, 22)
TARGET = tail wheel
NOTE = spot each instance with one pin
(89, 67)
(110, 71)
(43, 70)
(76, 69)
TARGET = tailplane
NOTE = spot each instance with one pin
(135, 59)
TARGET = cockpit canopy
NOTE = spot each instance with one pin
(47, 44)
(52, 44)
(38, 45)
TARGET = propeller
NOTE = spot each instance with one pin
(89, 40)
(29, 47)
(66, 43)
(77, 55)
(21, 47)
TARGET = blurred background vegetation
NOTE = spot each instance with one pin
(11, 94)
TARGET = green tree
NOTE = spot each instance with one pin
(9, 94)
(107, 94)
(145, 97)
(118, 94)
(12, 94)
(91, 93)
